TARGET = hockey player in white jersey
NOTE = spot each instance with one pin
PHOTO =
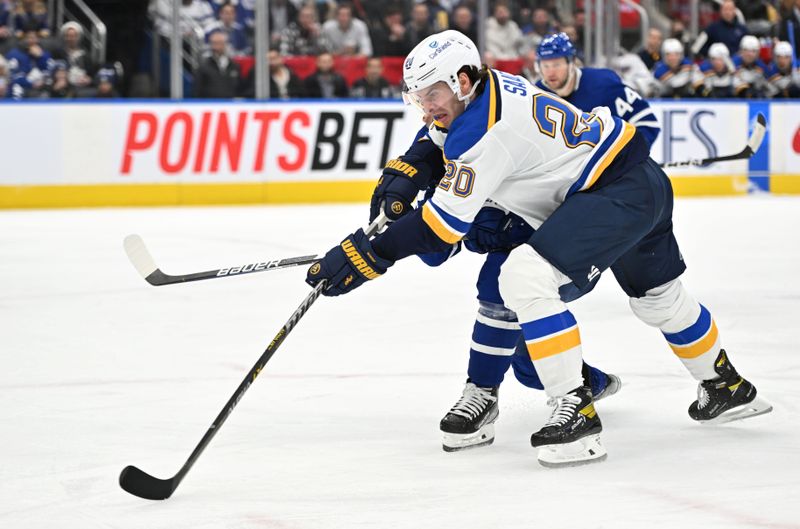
(586, 183)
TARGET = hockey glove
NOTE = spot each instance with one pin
(403, 178)
(347, 266)
(494, 230)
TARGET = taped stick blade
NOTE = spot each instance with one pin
(759, 129)
(138, 255)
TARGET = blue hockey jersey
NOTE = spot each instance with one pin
(601, 87)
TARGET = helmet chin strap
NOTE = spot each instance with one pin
(467, 97)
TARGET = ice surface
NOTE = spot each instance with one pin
(101, 370)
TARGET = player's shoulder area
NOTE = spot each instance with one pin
(483, 115)
(600, 77)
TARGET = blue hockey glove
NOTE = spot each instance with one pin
(493, 230)
(347, 266)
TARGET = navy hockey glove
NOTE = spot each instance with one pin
(404, 177)
(347, 266)
(493, 230)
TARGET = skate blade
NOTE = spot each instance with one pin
(584, 451)
(757, 406)
(455, 442)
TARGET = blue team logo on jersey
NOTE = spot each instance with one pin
(408, 62)
(433, 44)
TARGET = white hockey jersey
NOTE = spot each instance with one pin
(525, 149)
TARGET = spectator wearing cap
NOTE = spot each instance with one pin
(373, 85)
(80, 66)
(325, 82)
(60, 87)
(750, 71)
(783, 79)
(727, 30)
(717, 70)
(29, 65)
(674, 72)
(304, 36)
(31, 15)
(106, 81)
(420, 25)
(346, 34)
(218, 76)
(650, 53)
(503, 36)
(237, 36)
(464, 22)
(390, 37)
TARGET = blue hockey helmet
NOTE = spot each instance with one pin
(556, 46)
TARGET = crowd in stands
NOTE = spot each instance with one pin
(744, 50)
(37, 61)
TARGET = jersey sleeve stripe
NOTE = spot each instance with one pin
(437, 221)
(634, 119)
(494, 101)
(603, 156)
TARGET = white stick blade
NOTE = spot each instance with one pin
(759, 129)
(139, 256)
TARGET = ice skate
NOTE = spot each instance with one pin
(571, 436)
(470, 422)
(726, 398)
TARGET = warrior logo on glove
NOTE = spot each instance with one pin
(347, 266)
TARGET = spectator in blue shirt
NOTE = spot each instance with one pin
(237, 36)
(727, 30)
(29, 66)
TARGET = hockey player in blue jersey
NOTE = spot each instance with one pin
(588, 88)
(587, 185)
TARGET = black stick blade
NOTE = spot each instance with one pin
(142, 484)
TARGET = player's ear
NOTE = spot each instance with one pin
(464, 84)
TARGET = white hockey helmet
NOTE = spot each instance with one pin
(672, 46)
(439, 57)
(750, 43)
(783, 49)
(718, 51)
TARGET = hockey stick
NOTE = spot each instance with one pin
(146, 266)
(753, 143)
(142, 484)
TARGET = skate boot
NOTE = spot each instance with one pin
(571, 436)
(726, 398)
(470, 422)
